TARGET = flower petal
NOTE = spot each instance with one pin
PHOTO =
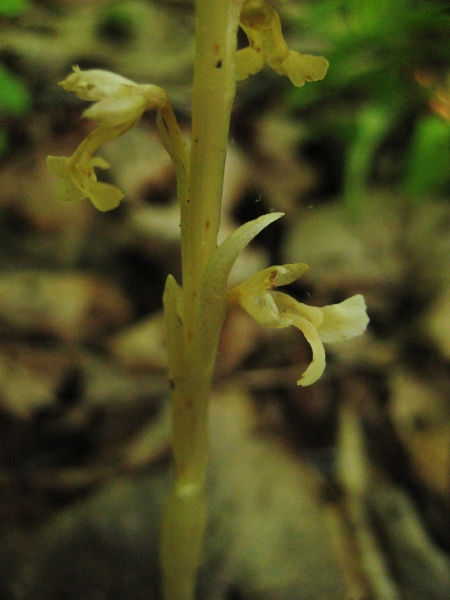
(103, 196)
(262, 307)
(79, 182)
(287, 304)
(273, 277)
(248, 61)
(252, 293)
(118, 111)
(317, 366)
(98, 161)
(59, 165)
(95, 84)
(67, 191)
(301, 68)
(343, 321)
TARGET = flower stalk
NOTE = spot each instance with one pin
(192, 362)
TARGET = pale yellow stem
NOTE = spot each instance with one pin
(214, 87)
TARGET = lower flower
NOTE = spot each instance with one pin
(329, 324)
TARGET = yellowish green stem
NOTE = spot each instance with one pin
(190, 367)
(214, 89)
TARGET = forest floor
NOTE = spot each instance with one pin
(341, 490)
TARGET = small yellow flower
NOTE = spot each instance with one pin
(119, 104)
(261, 23)
(329, 324)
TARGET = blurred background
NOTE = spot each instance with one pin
(338, 491)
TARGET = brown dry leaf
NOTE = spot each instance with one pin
(436, 324)
(30, 377)
(238, 340)
(350, 253)
(67, 306)
(52, 231)
(141, 165)
(276, 169)
(421, 568)
(267, 536)
(142, 345)
(157, 46)
(428, 246)
(421, 416)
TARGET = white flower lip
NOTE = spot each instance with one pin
(343, 321)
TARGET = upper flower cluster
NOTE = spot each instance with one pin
(329, 324)
(119, 104)
(261, 23)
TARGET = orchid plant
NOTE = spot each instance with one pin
(196, 309)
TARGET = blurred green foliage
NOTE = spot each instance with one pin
(15, 98)
(13, 8)
(428, 162)
(375, 49)
(117, 24)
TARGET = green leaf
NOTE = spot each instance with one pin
(15, 99)
(3, 142)
(13, 8)
(427, 168)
